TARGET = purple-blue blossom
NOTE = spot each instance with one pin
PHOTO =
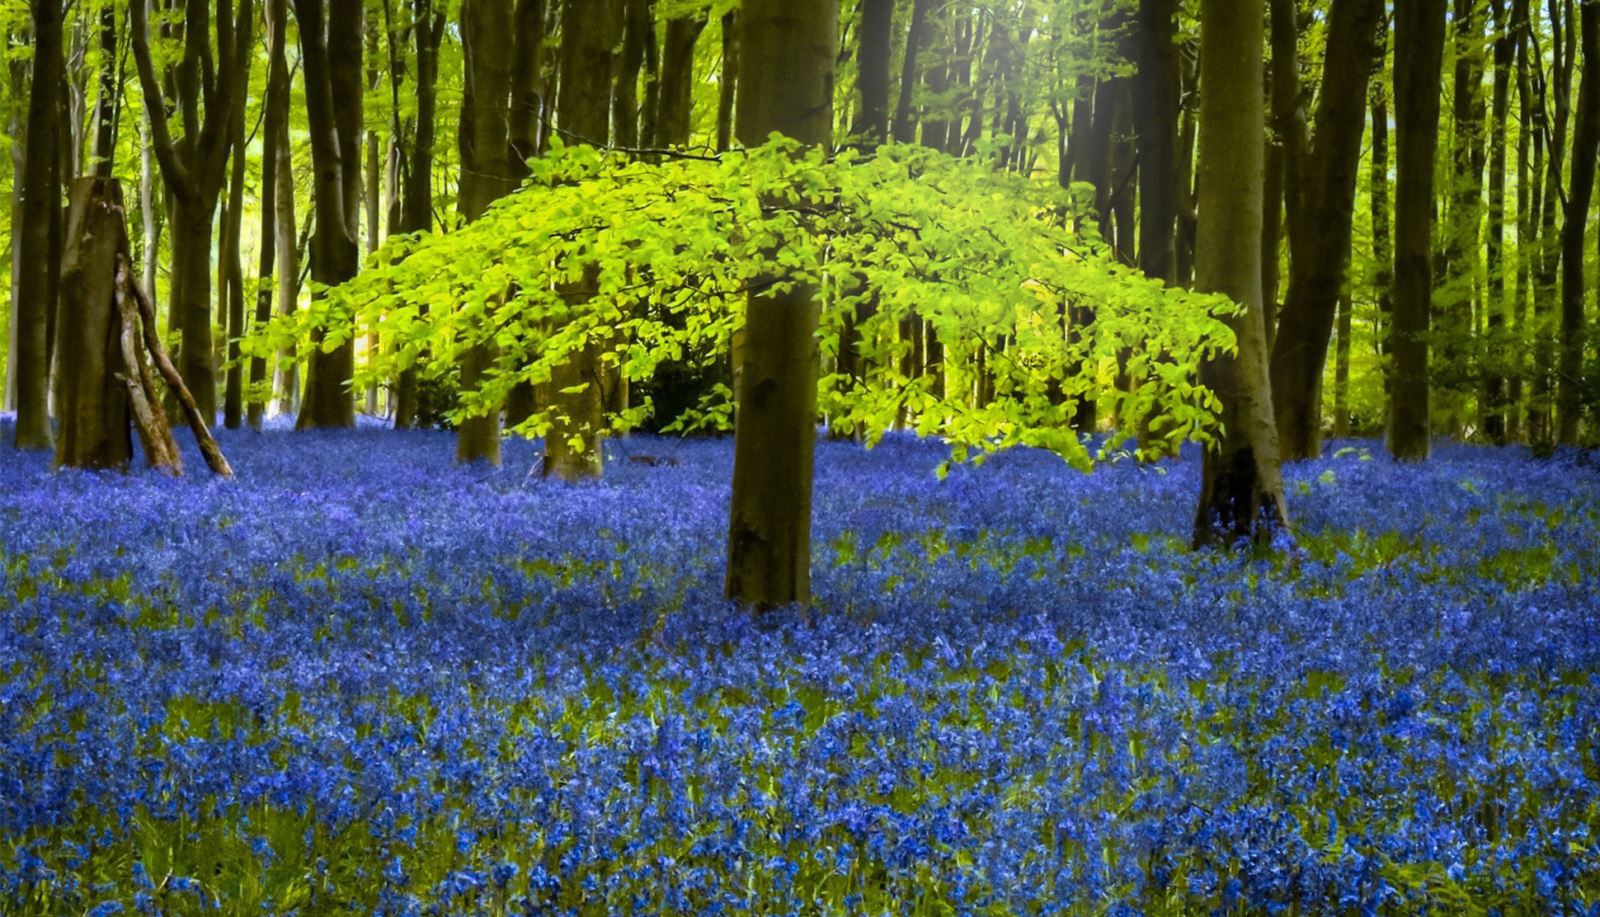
(360, 677)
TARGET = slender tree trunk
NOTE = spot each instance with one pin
(41, 199)
(1284, 160)
(108, 104)
(787, 86)
(905, 119)
(1563, 50)
(274, 136)
(1453, 309)
(1241, 494)
(230, 277)
(1382, 245)
(1585, 145)
(1418, 57)
(1493, 382)
(1320, 243)
(675, 96)
(416, 207)
(1156, 121)
(1527, 239)
(1341, 368)
(728, 80)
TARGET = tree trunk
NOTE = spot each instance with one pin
(905, 119)
(1341, 368)
(195, 165)
(330, 51)
(230, 277)
(1563, 50)
(1492, 380)
(1585, 144)
(108, 104)
(871, 125)
(1527, 230)
(786, 86)
(41, 199)
(1241, 495)
(1418, 57)
(275, 136)
(416, 206)
(675, 94)
(1382, 245)
(590, 33)
(1287, 144)
(1320, 244)
(728, 80)
(1156, 121)
(94, 398)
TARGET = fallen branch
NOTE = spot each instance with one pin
(155, 434)
(191, 410)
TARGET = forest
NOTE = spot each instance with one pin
(800, 456)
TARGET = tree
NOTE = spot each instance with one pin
(1418, 55)
(416, 165)
(1580, 194)
(194, 165)
(41, 215)
(1319, 236)
(785, 86)
(590, 34)
(331, 52)
(274, 172)
(1241, 492)
(1492, 381)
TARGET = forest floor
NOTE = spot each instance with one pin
(362, 679)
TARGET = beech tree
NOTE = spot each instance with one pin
(1418, 55)
(40, 212)
(1241, 495)
(785, 86)
(207, 86)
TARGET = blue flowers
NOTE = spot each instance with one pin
(360, 678)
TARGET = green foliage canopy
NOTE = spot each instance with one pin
(649, 262)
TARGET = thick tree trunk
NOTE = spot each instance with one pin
(1418, 56)
(41, 201)
(786, 86)
(590, 33)
(488, 173)
(330, 50)
(1320, 245)
(1241, 494)
(1580, 193)
(93, 394)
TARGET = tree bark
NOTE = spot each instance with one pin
(230, 277)
(1492, 393)
(194, 166)
(590, 32)
(416, 206)
(675, 94)
(274, 138)
(786, 86)
(1418, 56)
(1241, 496)
(1580, 193)
(93, 401)
(1156, 122)
(1320, 243)
(41, 199)
(905, 120)
(330, 51)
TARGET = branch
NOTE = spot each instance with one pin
(154, 103)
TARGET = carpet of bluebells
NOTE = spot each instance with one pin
(360, 680)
